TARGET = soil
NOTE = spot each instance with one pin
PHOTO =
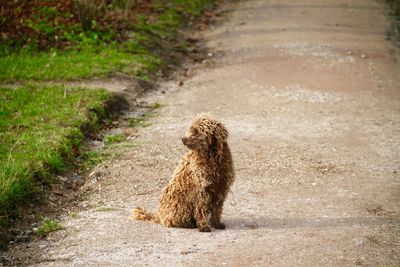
(310, 94)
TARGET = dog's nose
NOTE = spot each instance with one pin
(184, 140)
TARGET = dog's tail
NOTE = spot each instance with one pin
(141, 214)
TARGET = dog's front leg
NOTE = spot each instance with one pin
(216, 214)
(203, 211)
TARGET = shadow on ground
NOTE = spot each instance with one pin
(287, 223)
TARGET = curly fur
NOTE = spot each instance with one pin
(195, 195)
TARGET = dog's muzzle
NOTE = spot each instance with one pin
(185, 141)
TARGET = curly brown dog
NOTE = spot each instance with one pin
(195, 195)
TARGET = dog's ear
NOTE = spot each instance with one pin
(218, 141)
(221, 133)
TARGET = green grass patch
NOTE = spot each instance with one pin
(114, 138)
(135, 55)
(143, 120)
(48, 226)
(40, 134)
(74, 214)
(91, 158)
(104, 209)
(70, 65)
(155, 105)
(140, 121)
(41, 126)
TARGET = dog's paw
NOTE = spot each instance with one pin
(204, 228)
(220, 226)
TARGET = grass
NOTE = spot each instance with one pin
(113, 139)
(143, 120)
(394, 12)
(71, 65)
(48, 226)
(42, 126)
(104, 209)
(74, 214)
(90, 159)
(155, 105)
(140, 121)
(91, 58)
(40, 135)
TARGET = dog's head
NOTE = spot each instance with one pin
(206, 135)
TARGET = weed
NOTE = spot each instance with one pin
(91, 158)
(48, 226)
(155, 105)
(139, 122)
(73, 214)
(113, 138)
(103, 209)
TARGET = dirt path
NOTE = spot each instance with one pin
(310, 94)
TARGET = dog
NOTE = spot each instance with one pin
(195, 195)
